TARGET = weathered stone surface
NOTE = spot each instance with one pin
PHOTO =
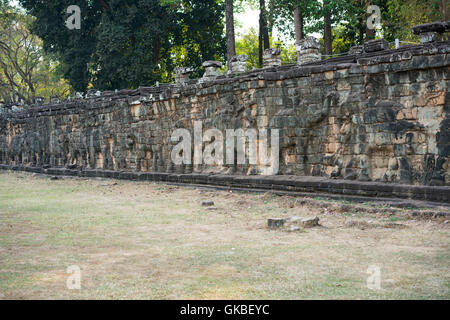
(308, 50)
(356, 50)
(275, 223)
(430, 37)
(207, 203)
(376, 45)
(293, 229)
(212, 63)
(238, 64)
(211, 68)
(309, 222)
(431, 32)
(383, 119)
(439, 27)
(293, 224)
(272, 57)
(182, 74)
(291, 184)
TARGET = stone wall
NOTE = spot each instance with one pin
(378, 116)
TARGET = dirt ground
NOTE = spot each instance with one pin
(138, 240)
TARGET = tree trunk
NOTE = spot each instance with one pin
(156, 50)
(263, 21)
(231, 45)
(361, 22)
(445, 16)
(361, 34)
(445, 11)
(264, 40)
(327, 36)
(271, 17)
(370, 33)
(260, 45)
(298, 24)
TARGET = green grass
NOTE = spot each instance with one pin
(137, 240)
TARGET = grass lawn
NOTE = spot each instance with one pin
(138, 240)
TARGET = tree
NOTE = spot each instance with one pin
(248, 44)
(231, 44)
(292, 16)
(327, 35)
(264, 40)
(298, 23)
(75, 49)
(25, 71)
(199, 36)
(445, 10)
(132, 44)
(125, 44)
(399, 16)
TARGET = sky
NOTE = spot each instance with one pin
(246, 20)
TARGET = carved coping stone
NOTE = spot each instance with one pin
(211, 68)
(439, 27)
(212, 64)
(54, 99)
(184, 70)
(272, 57)
(93, 93)
(356, 50)
(308, 50)
(182, 74)
(238, 63)
(376, 45)
(39, 101)
(308, 43)
(431, 32)
(239, 58)
(272, 52)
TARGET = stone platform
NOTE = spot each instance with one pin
(290, 184)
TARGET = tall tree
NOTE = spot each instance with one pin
(133, 38)
(231, 42)
(264, 39)
(298, 23)
(271, 16)
(201, 35)
(327, 34)
(128, 43)
(25, 71)
(399, 16)
(370, 33)
(74, 48)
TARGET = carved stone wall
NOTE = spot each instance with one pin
(381, 116)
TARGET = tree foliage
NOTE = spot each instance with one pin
(400, 16)
(125, 44)
(129, 43)
(349, 18)
(248, 44)
(25, 70)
